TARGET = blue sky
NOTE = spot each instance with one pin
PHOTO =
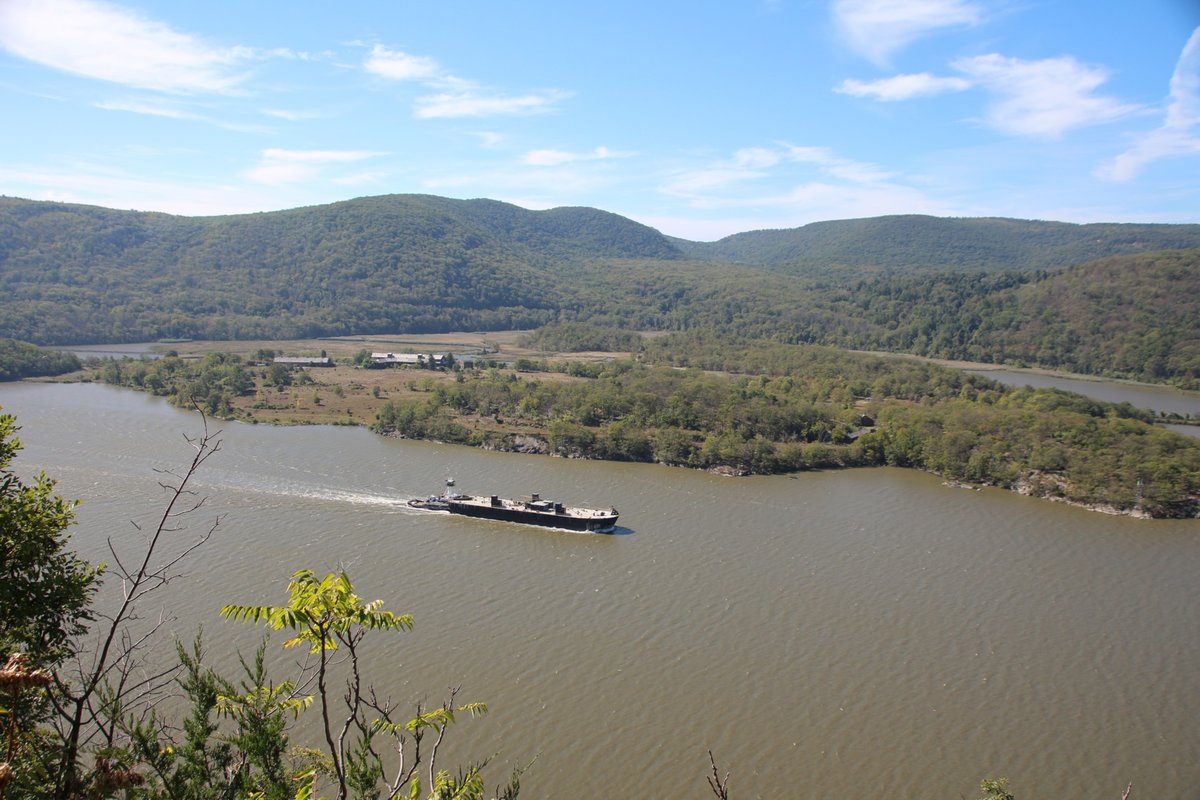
(701, 119)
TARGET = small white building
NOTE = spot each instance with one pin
(439, 360)
(410, 359)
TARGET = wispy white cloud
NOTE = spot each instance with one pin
(482, 103)
(166, 111)
(399, 66)
(553, 158)
(902, 87)
(756, 158)
(821, 200)
(837, 166)
(1043, 98)
(812, 201)
(785, 186)
(1179, 133)
(293, 116)
(320, 156)
(110, 43)
(876, 29)
(101, 185)
(746, 165)
(148, 109)
(695, 183)
(372, 178)
(548, 158)
(759, 163)
(545, 185)
(456, 97)
(279, 166)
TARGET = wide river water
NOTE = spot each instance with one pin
(855, 634)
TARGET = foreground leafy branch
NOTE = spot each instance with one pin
(327, 616)
(80, 696)
(66, 734)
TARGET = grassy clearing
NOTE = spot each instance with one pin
(349, 395)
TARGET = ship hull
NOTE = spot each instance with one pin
(571, 519)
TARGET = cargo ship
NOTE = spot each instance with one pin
(532, 510)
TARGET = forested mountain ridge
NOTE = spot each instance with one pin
(415, 221)
(1125, 316)
(74, 273)
(1130, 315)
(917, 242)
(416, 263)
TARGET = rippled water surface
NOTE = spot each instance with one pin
(837, 635)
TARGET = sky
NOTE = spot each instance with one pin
(702, 118)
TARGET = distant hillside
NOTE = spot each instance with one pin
(22, 360)
(73, 273)
(1001, 291)
(1132, 315)
(914, 242)
(1126, 316)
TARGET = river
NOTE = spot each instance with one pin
(1143, 395)
(846, 634)
(1157, 398)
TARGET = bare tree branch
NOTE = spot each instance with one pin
(437, 743)
(719, 785)
(88, 712)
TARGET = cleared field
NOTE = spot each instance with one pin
(350, 395)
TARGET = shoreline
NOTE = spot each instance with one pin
(346, 395)
(1041, 372)
(1025, 487)
(532, 443)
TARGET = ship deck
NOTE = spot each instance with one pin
(546, 507)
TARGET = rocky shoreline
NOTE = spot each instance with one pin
(1031, 486)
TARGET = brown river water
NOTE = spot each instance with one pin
(850, 634)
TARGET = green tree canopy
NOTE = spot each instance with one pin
(45, 588)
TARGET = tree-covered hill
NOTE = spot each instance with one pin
(1134, 315)
(22, 360)
(1126, 316)
(74, 273)
(416, 263)
(914, 242)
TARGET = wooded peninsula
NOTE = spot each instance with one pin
(729, 405)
